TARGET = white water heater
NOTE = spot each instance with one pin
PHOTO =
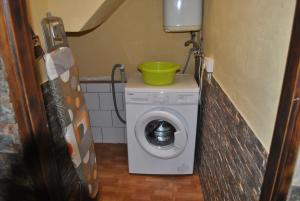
(182, 15)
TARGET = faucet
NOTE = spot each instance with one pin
(195, 44)
(198, 55)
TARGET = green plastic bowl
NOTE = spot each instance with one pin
(158, 73)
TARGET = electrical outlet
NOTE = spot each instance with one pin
(209, 64)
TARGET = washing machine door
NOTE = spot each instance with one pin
(161, 133)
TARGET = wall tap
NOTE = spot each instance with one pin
(195, 44)
(122, 71)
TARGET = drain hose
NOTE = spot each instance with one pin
(122, 72)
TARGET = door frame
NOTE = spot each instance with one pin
(16, 53)
(286, 137)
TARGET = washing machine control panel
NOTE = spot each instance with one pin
(186, 98)
(161, 98)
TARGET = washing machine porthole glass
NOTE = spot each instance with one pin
(160, 133)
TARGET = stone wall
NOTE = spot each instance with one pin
(230, 159)
(9, 134)
(294, 192)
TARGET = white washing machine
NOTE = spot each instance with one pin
(161, 125)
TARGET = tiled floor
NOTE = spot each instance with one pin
(116, 184)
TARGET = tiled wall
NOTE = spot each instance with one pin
(230, 159)
(296, 177)
(106, 126)
(9, 138)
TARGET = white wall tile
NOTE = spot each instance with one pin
(106, 127)
(97, 134)
(92, 101)
(124, 101)
(116, 121)
(100, 118)
(113, 135)
(98, 87)
(106, 101)
(120, 87)
(83, 87)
